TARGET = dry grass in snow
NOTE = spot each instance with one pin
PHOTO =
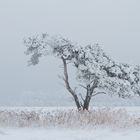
(69, 119)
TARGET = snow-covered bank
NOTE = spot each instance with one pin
(68, 134)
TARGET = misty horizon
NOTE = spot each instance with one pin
(115, 25)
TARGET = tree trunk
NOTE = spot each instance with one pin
(77, 102)
(86, 103)
(66, 79)
(87, 99)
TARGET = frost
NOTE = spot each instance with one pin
(93, 65)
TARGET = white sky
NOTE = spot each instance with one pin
(115, 24)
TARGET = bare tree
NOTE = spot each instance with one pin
(97, 73)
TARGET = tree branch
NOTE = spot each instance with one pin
(83, 86)
(98, 93)
(81, 97)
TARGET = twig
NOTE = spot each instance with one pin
(81, 97)
(98, 93)
(83, 86)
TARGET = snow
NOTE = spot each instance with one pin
(68, 134)
(63, 133)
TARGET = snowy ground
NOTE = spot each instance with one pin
(67, 134)
(52, 133)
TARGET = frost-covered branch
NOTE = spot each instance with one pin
(95, 69)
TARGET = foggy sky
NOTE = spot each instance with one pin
(114, 24)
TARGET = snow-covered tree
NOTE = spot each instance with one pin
(96, 73)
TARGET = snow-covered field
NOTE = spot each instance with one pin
(98, 132)
(68, 134)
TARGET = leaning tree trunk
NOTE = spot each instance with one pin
(87, 99)
(90, 90)
(72, 92)
(86, 103)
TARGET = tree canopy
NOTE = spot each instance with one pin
(97, 72)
